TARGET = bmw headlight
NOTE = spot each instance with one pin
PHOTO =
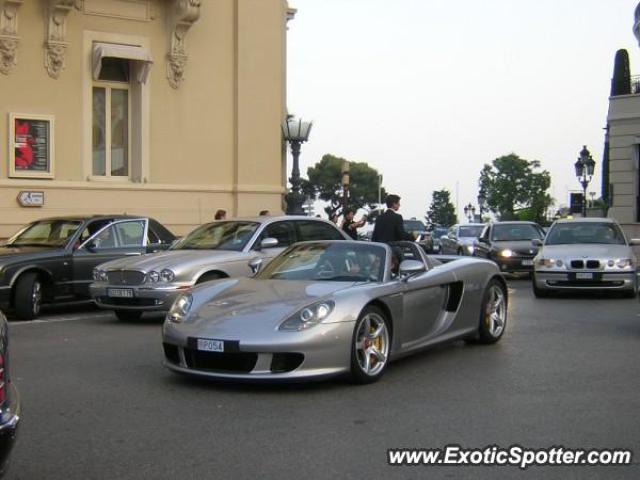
(167, 275)
(154, 277)
(180, 308)
(308, 316)
(506, 253)
(99, 275)
(549, 263)
(624, 263)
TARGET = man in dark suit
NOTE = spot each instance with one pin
(390, 226)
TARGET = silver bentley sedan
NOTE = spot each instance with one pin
(215, 250)
(330, 308)
(585, 254)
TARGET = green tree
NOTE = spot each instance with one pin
(441, 212)
(325, 181)
(512, 186)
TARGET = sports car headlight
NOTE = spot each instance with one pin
(624, 263)
(506, 253)
(99, 275)
(154, 277)
(308, 316)
(180, 308)
(167, 275)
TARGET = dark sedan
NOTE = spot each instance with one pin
(52, 260)
(509, 245)
(9, 399)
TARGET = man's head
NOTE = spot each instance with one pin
(393, 201)
(348, 214)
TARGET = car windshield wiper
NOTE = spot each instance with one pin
(33, 244)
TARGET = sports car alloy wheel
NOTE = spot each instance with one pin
(370, 351)
(494, 313)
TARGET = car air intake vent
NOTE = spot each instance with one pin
(454, 296)
(593, 264)
(286, 362)
(220, 362)
(577, 264)
(125, 277)
(171, 353)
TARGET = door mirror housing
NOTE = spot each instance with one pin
(268, 242)
(536, 242)
(634, 241)
(411, 267)
(255, 264)
(91, 246)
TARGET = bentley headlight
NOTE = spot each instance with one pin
(506, 253)
(167, 275)
(180, 308)
(308, 316)
(154, 277)
(624, 263)
(99, 275)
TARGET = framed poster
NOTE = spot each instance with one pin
(31, 145)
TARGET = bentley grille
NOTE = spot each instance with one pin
(125, 277)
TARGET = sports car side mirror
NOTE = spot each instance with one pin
(269, 242)
(411, 267)
(255, 264)
(634, 241)
(91, 246)
(536, 242)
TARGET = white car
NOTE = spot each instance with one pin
(585, 254)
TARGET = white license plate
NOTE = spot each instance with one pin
(208, 345)
(584, 276)
(527, 263)
(120, 292)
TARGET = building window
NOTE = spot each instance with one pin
(111, 149)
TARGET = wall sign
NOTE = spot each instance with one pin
(31, 145)
(29, 198)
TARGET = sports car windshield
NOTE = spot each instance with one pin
(515, 232)
(587, 232)
(470, 231)
(45, 233)
(331, 262)
(218, 236)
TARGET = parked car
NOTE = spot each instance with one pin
(509, 245)
(436, 235)
(9, 399)
(52, 260)
(419, 230)
(330, 308)
(130, 286)
(585, 254)
(460, 239)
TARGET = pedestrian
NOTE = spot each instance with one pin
(220, 215)
(350, 226)
(389, 226)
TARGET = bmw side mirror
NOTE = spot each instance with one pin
(536, 242)
(411, 267)
(269, 242)
(255, 264)
(634, 241)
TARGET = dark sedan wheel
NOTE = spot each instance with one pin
(370, 346)
(493, 315)
(128, 315)
(28, 296)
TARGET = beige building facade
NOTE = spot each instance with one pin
(166, 108)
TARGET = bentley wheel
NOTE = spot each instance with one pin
(128, 315)
(370, 346)
(493, 315)
(28, 296)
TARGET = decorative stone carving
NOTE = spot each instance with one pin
(186, 12)
(56, 44)
(8, 34)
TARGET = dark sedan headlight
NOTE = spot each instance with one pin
(180, 308)
(506, 253)
(99, 275)
(308, 316)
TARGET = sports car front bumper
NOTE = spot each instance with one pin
(322, 351)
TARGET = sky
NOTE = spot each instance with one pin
(428, 91)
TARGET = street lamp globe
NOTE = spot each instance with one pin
(584, 166)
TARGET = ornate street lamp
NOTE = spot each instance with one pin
(584, 166)
(345, 186)
(470, 212)
(296, 132)
(482, 202)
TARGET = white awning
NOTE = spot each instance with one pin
(139, 55)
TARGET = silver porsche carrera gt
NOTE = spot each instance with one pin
(328, 308)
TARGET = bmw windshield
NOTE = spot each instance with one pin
(218, 236)
(585, 232)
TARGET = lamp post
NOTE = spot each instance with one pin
(345, 186)
(470, 212)
(296, 132)
(482, 201)
(379, 190)
(584, 166)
